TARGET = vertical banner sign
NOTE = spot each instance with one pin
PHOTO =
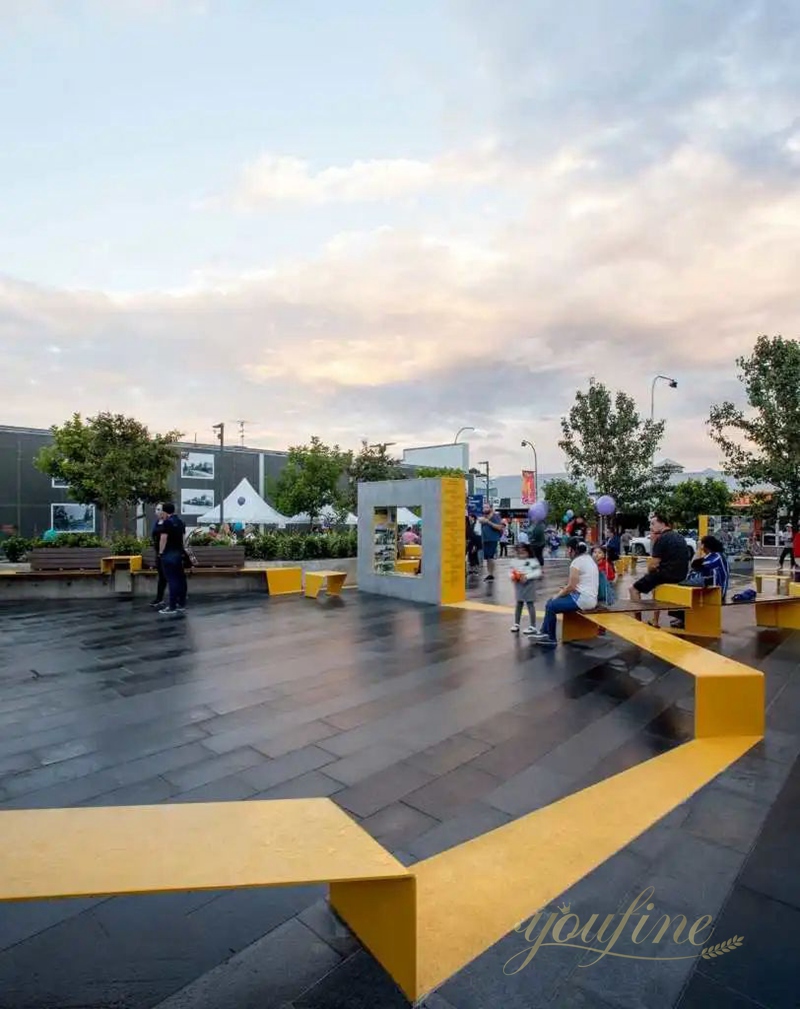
(528, 487)
(454, 547)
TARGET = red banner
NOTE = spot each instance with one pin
(528, 487)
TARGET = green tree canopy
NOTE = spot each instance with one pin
(311, 479)
(565, 495)
(605, 440)
(762, 445)
(371, 464)
(110, 461)
(691, 498)
(424, 472)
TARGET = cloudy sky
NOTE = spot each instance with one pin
(391, 220)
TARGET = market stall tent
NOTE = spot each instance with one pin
(245, 505)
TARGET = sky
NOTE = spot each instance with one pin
(389, 221)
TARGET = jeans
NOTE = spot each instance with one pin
(531, 612)
(172, 563)
(561, 604)
(538, 553)
(787, 552)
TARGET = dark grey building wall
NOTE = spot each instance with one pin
(26, 495)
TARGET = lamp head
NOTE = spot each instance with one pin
(673, 384)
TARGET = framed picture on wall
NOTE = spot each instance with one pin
(72, 518)
(197, 466)
(196, 501)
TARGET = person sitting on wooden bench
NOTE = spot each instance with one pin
(668, 563)
(580, 592)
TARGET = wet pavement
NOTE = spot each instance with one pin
(429, 727)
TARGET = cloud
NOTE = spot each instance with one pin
(279, 179)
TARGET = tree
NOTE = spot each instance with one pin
(691, 498)
(371, 464)
(763, 445)
(311, 479)
(605, 440)
(566, 495)
(424, 472)
(110, 461)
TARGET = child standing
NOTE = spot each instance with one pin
(525, 572)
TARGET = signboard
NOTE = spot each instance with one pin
(475, 504)
(528, 487)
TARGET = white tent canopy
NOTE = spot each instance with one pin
(326, 512)
(245, 505)
(405, 517)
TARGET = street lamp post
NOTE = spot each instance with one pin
(460, 432)
(664, 378)
(532, 447)
(220, 429)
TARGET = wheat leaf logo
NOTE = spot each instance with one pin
(709, 952)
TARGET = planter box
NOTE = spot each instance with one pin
(207, 557)
(67, 558)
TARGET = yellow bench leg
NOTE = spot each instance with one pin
(729, 705)
(786, 615)
(575, 627)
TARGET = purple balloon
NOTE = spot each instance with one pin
(606, 505)
(538, 512)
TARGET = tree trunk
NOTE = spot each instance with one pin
(104, 523)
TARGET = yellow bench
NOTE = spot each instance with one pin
(779, 578)
(783, 612)
(331, 581)
(407, 567)
(131, 561)
(703, 616)
(284, 581)
(412, 550)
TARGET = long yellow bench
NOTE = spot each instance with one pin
(778, 577)
(783, 612)
(331, 581)
(284, 581)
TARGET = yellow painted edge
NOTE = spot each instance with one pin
(472, 895)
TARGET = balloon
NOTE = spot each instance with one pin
(606, 505)
(538, 512)
(565, 518)
(570, 513)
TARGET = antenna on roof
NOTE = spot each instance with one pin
(241, 424)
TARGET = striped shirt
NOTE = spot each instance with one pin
(715, 570)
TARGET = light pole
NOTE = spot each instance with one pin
(460, 431)
(532, 447)
(220, 428)
(664, 378)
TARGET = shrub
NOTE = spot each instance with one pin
(126, 543)
(15, 548)
(73, 540)
(314, 547)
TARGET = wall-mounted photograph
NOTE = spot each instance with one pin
(58, 483)
(197, 466)
(195, 501)
(72, 518)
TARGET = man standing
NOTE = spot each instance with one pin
(155, 537)
(171, 549)
(668, 563)
(787, 542)
(491, 531)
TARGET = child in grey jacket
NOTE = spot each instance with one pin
(525, 572)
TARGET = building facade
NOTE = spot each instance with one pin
(31, 503)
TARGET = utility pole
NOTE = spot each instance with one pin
(220, 429)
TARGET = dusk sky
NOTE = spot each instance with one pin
(389, 220)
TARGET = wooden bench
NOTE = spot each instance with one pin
(67, 558)
(331, 582)
(579, 625)
(777, 576)
(284, 581)
(225, 559)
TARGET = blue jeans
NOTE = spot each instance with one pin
(561, 604)
(172, 564)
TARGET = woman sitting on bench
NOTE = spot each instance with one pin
(580, 592)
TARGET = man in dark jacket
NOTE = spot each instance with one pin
(155, 537)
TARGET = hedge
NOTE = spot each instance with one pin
(266, 547)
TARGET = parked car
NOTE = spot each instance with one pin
(640, 545)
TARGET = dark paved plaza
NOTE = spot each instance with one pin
(429, 727)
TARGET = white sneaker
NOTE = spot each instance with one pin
(532, 631)
(515, 628)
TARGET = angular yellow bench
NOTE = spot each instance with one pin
(331, 581)
(404, 567)
(777, 576)
(284, 581)
(783, 612)
(131, 561)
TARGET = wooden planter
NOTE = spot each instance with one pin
(207, 557)
(67, 558)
